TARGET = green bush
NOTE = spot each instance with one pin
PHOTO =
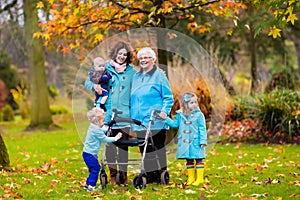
(8, 113)
(57, 110)
(279, 113)
(281, 80)
(243, 107)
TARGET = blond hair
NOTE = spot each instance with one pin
(185, 99)
(94, 114)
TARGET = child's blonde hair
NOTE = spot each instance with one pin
(94, 114)
(186, 97)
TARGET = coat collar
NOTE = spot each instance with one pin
(151, 72)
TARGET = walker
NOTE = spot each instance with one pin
(139, 181)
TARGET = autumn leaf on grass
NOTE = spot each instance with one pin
(280, 175)
(189, 191)
(173, 185)
(72, 191)
(239, 195)
(95, 195)
(25, 180)
(233, 180)
(212, 192)
(53, 161)
(238, 144)
(295, 174)
(53, 183)
(45, 168)
(259, 168)
(270, 181)
(254, 178)
(205, 186)
(139, 190)
(113, 192)
(66, 161)
(297, 183)
(260, 195)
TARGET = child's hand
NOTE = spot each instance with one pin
(202, 145)
(118, 136)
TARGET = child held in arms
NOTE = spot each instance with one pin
(99, 75)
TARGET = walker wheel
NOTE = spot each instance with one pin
(120, 177)
(139, 182)
(103, 179)
(165, 177)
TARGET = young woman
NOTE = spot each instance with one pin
(119, 66)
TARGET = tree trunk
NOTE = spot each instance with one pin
(40, 110)
(161, 39)
(230, 89)
(4, 158)
(254, 75)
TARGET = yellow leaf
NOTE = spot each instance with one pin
(292, 18)
(291, 1)
(40, 5)
(127, 193)
(98, 37)
(37, 35)
(289, 10)
(275, 32)
(46, 36)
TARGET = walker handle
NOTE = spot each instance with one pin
(116, 111)
(132, 121)
(129, 120)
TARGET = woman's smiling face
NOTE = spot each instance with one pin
(146, 61)
(121, 56)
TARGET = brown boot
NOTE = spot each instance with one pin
(113, 175)
(126, 182)
(113, 180)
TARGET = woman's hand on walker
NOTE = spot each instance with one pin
(118, 136)
(163, 115)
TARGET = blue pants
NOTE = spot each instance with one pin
(93, 165)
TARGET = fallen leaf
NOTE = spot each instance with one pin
(45, 168)
(189, 191)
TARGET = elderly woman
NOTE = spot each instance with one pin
(150, 90)
(119, 66)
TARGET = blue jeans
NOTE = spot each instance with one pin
(93, 165)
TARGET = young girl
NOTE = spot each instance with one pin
(95, 136)
(192, 137)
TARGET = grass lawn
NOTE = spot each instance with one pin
(232, 171)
